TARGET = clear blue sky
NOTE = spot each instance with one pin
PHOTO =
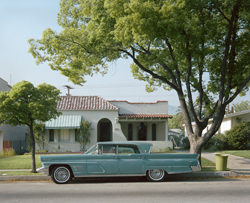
(21, 20)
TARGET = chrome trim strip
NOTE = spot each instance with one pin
(44, 171)
(196, 168)
(179, 172)
(114, 175)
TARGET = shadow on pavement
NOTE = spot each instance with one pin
(143, 179)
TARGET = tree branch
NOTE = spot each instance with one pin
(149, 71)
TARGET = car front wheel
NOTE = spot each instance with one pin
(156, 175)
(61, 175)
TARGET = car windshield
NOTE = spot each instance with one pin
(93, 150)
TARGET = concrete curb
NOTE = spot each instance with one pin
(24, 178)
(205, 174)
(214, 174)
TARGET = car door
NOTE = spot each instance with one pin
(106, 162)
(130, 160)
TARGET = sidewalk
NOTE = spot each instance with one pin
(236, 164)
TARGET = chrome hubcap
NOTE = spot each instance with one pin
(156, 174)
(62, 174)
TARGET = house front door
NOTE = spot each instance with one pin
(142, 131)
(105, 131)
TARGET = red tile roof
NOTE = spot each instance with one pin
(84, 103)
(144, 116)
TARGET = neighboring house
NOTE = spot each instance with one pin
(110, 121)
(176, 132)
(229, 121)
(12, 136)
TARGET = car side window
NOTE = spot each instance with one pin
(107, 149)
(128, 149)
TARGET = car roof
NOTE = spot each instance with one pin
(145, 147)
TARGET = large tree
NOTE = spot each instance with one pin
(199, 48)
(26, 104)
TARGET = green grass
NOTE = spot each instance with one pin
(18, 162)
(241, 153)
(206, 162)
(18, 173)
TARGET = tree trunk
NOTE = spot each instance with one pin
(33, 148)
(195, 145)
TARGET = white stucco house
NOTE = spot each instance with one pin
(110, 121)
(229, 121)
(12, 136)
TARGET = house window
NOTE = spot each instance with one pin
(130, 131)
(64, 135)
(76, 135)
(154, 132)
(51, 135)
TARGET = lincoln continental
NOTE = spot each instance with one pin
(118, 159)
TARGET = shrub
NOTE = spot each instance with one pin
(239, 136)
(185, 143)
(217, 143)
(7, 152)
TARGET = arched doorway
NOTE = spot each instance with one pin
(142, 131)
(104, 130)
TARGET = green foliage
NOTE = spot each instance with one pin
(242, 106)
(83, 134)
(185, 45)
(185, 143)
(217, 143)
(176, 122)
(26, 104)
(7, 152)
(239, 136)
(39, 134)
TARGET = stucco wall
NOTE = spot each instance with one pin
(93, 117)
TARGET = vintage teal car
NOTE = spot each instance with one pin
(118, 159)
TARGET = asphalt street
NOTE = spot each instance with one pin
(177, 191)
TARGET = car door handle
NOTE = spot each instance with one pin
(115, 157)
(141, 157)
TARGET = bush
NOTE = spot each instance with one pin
(217, 143)
(238, 137)
(185, 143)
(7, 152)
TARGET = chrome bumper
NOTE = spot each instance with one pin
(196, 168)
(44, 171)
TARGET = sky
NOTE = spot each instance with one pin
(21, 20)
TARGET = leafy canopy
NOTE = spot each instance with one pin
(199, 46)
(25, 103)
(165, 39)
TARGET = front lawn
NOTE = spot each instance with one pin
(241, 153)
(18, 162)
(18, 173)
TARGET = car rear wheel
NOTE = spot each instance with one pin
(61, 175)
(156, 175)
